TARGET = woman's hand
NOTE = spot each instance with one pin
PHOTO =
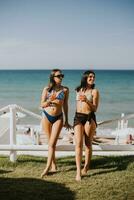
(52, 97)
(67, 126)
(82, 98)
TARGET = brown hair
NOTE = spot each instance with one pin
(51, 79)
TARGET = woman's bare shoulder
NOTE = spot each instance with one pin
(66, 89)
(95, 91)
(45, 89)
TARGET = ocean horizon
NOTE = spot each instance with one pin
(24, 88)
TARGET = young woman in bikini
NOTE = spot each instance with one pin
(87, 98)
(54, 99)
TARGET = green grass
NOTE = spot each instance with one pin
(109, 178)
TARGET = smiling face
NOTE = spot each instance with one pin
(58, 76)
(90, 79)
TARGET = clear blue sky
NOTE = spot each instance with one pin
(67, 34)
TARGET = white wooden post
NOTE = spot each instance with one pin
(12, 132)
(122, 120)
(119, 124)
(32, 135)
(37, 138)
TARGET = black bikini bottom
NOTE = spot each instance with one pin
(83, 118)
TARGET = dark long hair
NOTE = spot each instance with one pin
(52, 83)
(83, 84)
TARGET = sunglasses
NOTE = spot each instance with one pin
(60, 76)
(91, 76)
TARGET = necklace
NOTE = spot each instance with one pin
(58, 88)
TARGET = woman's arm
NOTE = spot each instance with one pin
(44, 102)
(65, 109)
(65, 105)
(95, 103)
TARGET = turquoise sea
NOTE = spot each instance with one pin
(24, 87)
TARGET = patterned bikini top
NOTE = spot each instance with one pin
(60, 95)
(89, 95)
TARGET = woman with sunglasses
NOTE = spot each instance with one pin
(87, 98)
(54, 99)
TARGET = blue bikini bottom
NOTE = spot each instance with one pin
(51, 118)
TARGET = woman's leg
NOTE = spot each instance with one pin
(78, 133)
(89, 133)
(56, 128)
(47, 127)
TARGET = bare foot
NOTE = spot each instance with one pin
(45, 172)
(53, 168)
(78, 178)
(84, 171)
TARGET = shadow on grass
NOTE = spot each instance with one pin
(5, 171)
(101, 172)
(107, 164)
(34, 189)
(116, 162)
(29, 159)
(98, 162)
(66, 161)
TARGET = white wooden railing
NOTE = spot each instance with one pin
(13, 147)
